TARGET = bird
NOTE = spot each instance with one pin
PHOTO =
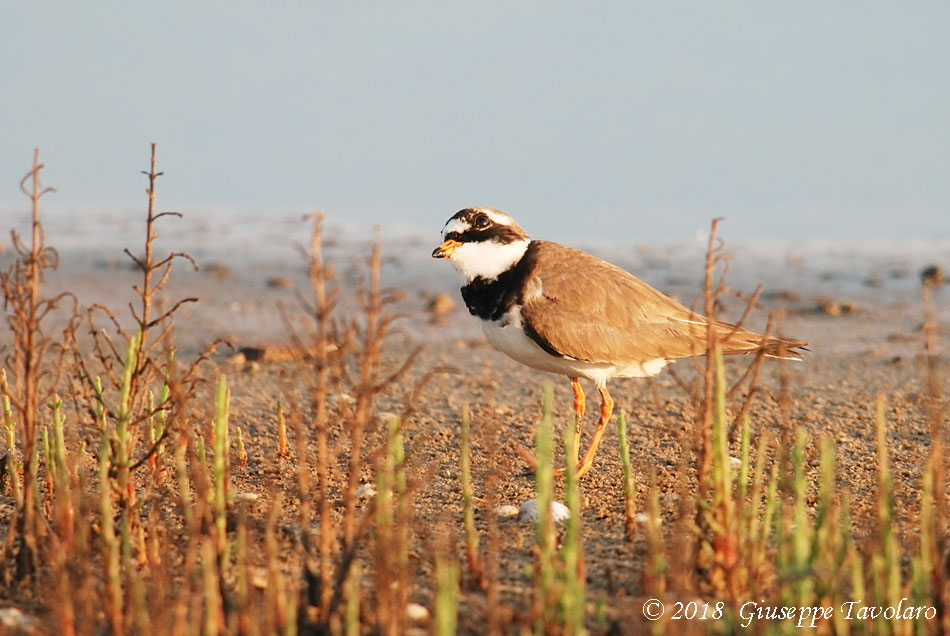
(561, 310)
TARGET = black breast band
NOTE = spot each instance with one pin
(491, 299)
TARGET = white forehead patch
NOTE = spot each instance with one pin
(455, 225)
(496, 216)
(460, 226)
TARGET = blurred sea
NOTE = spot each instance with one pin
(878, 280)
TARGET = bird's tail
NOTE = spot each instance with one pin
(784, 348)
(734, 341)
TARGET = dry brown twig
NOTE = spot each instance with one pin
(342, 356)
(34, 378)
(153, 331)
(155, 276)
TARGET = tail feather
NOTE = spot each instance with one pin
(784, 348)
(734, 341)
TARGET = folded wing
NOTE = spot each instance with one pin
(587, 309)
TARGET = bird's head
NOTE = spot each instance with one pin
(481, 243)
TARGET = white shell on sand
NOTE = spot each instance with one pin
(366, 491)
(20, 623)
(416, 612)
(529, 511)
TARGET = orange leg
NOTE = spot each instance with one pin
(580, 402)
(606, 408)
(580, 405)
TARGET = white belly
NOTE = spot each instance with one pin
(507, 336)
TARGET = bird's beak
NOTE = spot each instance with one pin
(445, 250)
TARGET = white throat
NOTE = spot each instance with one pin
(486, 259)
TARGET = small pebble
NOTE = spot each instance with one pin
(440, 306)
(735, 461)
(246, 496)
(505, 511)
(416, 612)
(280, 282)
(932, 276)
(642, 517)
(366, 491)
(16, 620)
(786, 295)
(832, 307)
(342, 396)
(529, 511)
(237, 359)
(258, 577)
(219, 272)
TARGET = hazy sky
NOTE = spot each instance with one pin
(582, 119)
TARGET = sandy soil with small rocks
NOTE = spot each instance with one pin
(860, 346)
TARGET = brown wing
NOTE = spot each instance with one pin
(582, 307)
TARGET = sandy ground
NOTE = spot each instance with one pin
(854, 356)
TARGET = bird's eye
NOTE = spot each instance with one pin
(482, 221)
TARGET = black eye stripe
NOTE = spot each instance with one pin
(496, 233)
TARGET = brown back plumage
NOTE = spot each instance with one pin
(582, 307)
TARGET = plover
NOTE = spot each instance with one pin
(561, 310)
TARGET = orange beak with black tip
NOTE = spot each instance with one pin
(445, 250)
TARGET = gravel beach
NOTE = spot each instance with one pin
(858, 307)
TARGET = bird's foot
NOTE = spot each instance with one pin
(528, 458)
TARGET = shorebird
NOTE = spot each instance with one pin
(561, 310)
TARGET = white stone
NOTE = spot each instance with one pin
(366, 491)
(15, 619)
(416, 612)
(529, 511)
